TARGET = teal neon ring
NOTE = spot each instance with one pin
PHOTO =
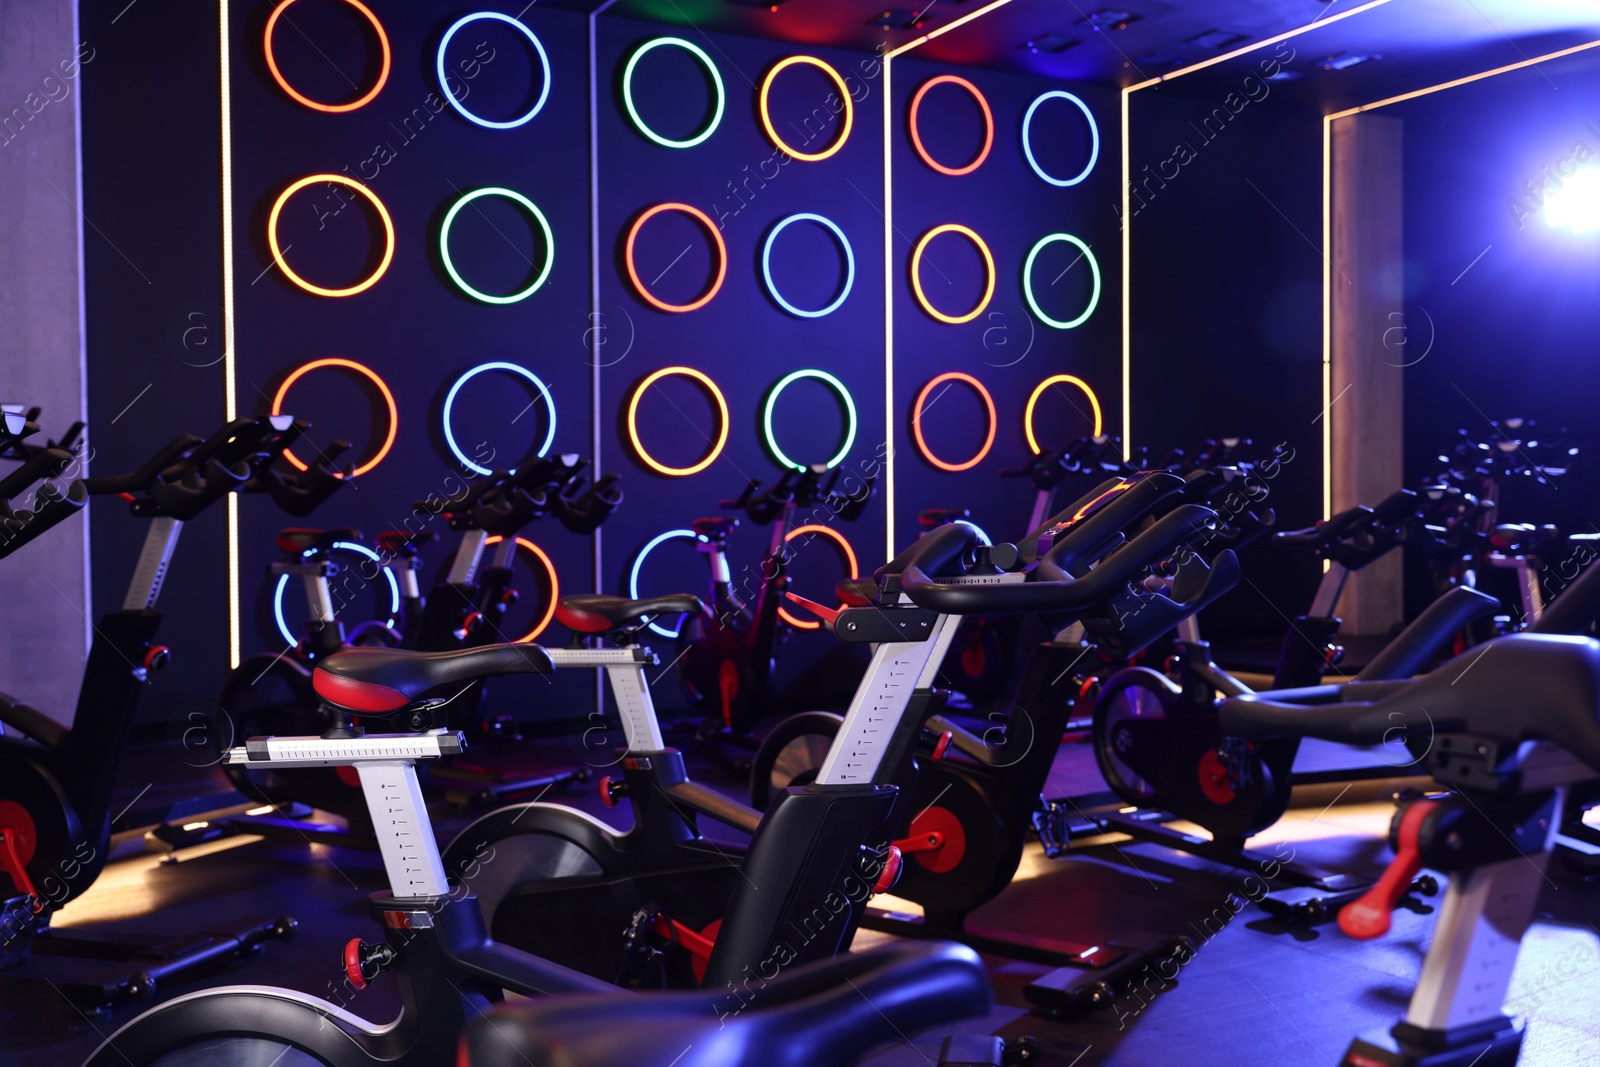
(772, 402)
(538, 216)
(1027, 280)
(849, 260)
(633, 112)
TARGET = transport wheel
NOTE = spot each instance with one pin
(791, 754)
(1135, 693)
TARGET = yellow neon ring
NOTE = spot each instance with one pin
(338, 179)
(283, 83)
(916, 273)
(555, 584)
(372, 376)
(1038, 391)
(916, 421)
(844, 94)
(722, 421)
(849, 556)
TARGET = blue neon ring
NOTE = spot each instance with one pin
(1094, 134)
(349, 546)
(450, 399)
(544, 62)
(638, 561)
(849, 259)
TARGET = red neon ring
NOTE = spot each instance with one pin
(283, 83)
(988, 125)
(849, 557)
(555, 584)
(711, 228)
(372, 376)
(916, 422)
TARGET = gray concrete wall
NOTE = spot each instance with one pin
(44, 587)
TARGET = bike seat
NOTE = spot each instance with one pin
(1524, 687)
(929, 518)
(379, 681)
(397, 542)
(713, 524)
(857, 592)
(298, 540)
(596, 613)
(825, 1014)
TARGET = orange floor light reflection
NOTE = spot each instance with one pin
(988, 125)
(722, 421)
(847, 553)
(366, 372)
(336, 179)
(916, 421)
(555, 584)
(1038, 391)
(846, 117)
(301, 98)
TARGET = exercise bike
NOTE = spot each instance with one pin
(56, 781)
(435, 941)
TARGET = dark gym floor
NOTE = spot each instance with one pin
(1255, 992)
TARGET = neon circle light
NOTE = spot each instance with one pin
(638, 563)
(916, 274)
(1038, 391)
(716, 237)
(844, 95)
(349, 546)
(849, 555)
(1027, 280)
(772, 402)
(916, 421)
(300, 98)
(988, 125)
(722, 421)
(524, 372)
(849, 259)
(538, 216)
(544, 63)
(633, 112)
(555, 584)
(372, 198)
(1094, 138)
(367, 372)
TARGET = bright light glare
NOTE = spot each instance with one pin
(1576, 204)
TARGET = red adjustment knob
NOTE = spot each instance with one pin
(157, 657)
(352, 963)
(612, 790)
(892, 865)
(1371, 914)
(942, 746)
(508, 598)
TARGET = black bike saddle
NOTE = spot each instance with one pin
(298, 540)
(825, 1014)
(1525, 687)
(382, 681)
(596, 613)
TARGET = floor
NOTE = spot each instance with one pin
(1255, 992)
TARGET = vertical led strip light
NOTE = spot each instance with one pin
(229, 403)
(888, 250)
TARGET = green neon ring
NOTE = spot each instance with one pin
(544, 224)
(772, 402)
(1027, 281)
(633, 113)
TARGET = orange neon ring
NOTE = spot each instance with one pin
(844, 94)
(555, 584)
(849, 557)
(988, 125)
(722, 420)
(372, 376)
(283, 83)
(1038, 391)
(916, 274)
(339, 179)
(916, 421)
(716, 235)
